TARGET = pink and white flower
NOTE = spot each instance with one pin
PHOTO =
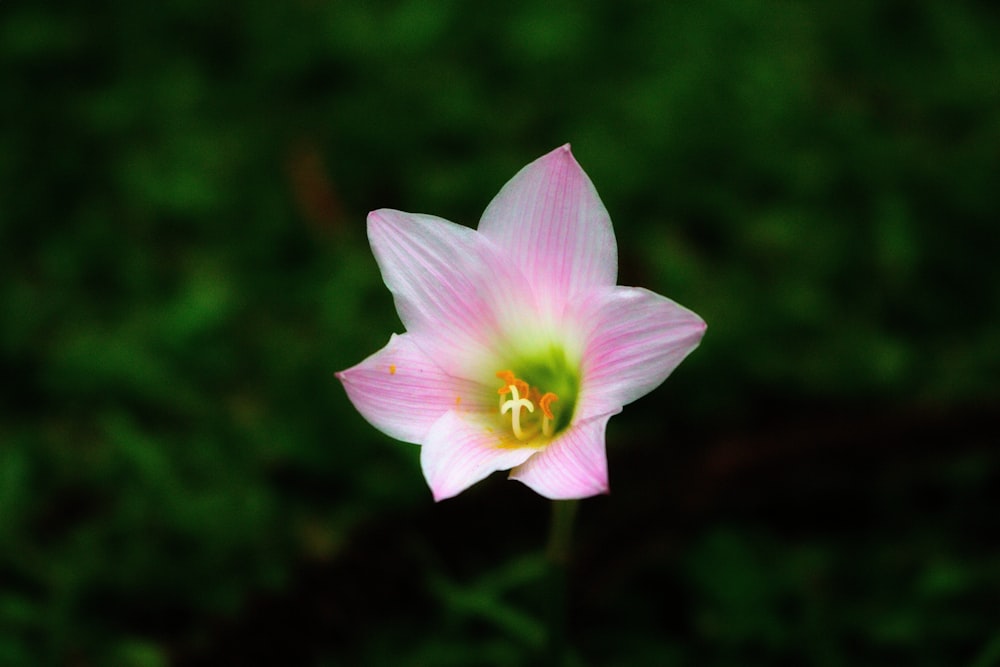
(519, 345)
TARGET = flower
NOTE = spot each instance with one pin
(519, 345)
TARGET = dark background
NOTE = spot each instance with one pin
(183, 267)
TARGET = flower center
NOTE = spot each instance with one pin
(525, 397)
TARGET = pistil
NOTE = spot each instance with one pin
(514, 405)
(524, 397)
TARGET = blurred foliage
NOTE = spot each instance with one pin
(183, 189)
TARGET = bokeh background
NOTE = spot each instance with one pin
(183, 267)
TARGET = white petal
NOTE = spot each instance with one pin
(574, 465)
(401, 392)
(549, 220)
(459, 451)
(451, 286)
(635, 339)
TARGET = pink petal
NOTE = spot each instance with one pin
(636, 339)
(459, 451)
(549, 220)
(401, 392)
(452, 288)
(574, 465)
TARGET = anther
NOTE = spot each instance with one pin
(545, 403)
(508, 379)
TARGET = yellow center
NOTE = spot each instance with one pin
(525, 397)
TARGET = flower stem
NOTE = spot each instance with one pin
(558, 554)
(990, 655)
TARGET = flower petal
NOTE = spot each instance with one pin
(401, 392)
(459, 451)
(574, 465)
(551, 222)
(636, 339)
(451, 287)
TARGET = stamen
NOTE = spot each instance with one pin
(523, 388)
(545, 403)
(524, 396)
(508, 379)
(534, 395)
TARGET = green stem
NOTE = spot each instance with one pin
(990, 655)
(558, 554)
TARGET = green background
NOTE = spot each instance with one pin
(183, 267)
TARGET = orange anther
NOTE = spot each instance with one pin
(508, 379)
(545, 401)
(522, 387)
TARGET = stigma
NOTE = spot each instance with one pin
(525, 397)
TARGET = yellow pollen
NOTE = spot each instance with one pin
(392, 369)
(458, 400)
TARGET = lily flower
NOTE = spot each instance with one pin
(519, 345)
